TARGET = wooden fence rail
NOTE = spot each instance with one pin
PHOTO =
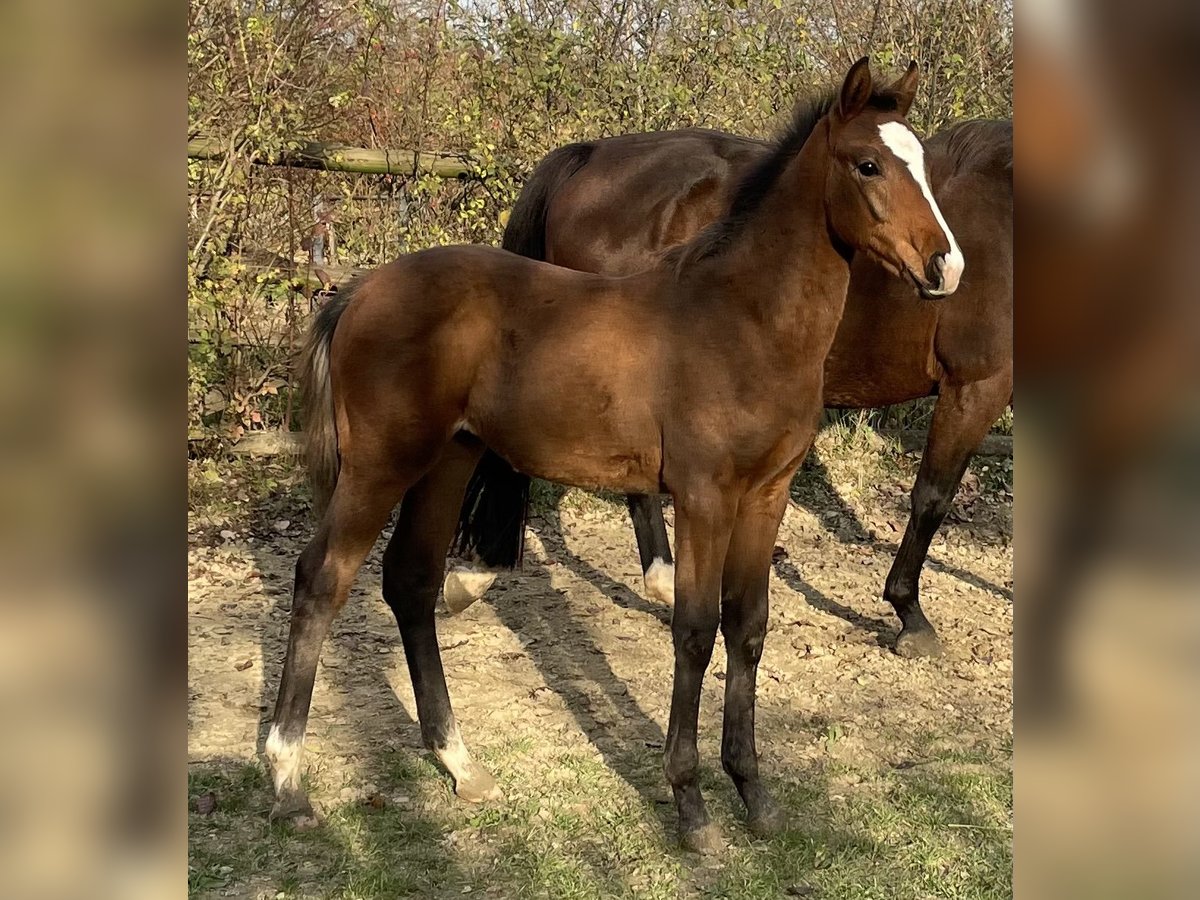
(334, 157)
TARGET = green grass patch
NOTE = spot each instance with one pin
(940, 826)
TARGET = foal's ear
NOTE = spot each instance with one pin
(856, 89)
(905, 88)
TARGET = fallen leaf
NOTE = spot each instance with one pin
(800, 889)
(375, 801)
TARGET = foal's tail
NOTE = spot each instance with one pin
(320, 429)
(491, 524)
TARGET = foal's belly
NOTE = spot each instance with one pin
(576, 452)
(626, 470)
(594, 435)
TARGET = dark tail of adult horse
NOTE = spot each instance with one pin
(491, 525)
(320, 430)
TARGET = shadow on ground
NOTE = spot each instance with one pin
(412, 837)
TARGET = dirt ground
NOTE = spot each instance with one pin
(561, 682)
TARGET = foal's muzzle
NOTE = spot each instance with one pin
(935, 278)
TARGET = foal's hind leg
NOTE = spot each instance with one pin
(961, 418)
(744, 607)
(412, 572)
(658, 569)
(326, 569)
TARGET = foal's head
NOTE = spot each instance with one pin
(877, 191)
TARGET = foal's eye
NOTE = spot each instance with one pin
(868, 169)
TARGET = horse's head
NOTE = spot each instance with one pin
(877, 193)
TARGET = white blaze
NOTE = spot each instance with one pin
(898, 138)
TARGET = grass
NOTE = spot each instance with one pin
(938, 829)
(912, 415)
(572, 827)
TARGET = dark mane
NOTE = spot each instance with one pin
(978, 145)
(759, 181)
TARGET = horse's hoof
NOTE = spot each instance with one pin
(464, 585)
(769, 823)
(914, 644)
(295, 811)
(660, 582)
(705, 840)
(478, 787)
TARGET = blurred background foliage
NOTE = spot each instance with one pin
(497, 83)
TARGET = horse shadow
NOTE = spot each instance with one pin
(577, 669)
(572, 664)
(549, 522)
(813, 491)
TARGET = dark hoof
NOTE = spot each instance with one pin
(916, 643)
(295, 811)
(769, 823)
(705, 840)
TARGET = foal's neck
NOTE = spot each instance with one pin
(784, 265)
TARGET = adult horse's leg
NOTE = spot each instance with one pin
(702, 526)
(961, 419)
(326, 569)
(491, 530)
(412, 572)
(744, 607)
(654, 547)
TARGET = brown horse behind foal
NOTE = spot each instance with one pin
(700, 378)
(613, 205)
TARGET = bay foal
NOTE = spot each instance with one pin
(700, 378)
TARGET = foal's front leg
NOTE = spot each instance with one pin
(744, 607)
(702, 532)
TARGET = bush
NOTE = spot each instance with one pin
(501, 82)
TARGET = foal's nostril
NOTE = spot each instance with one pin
(933, 270)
